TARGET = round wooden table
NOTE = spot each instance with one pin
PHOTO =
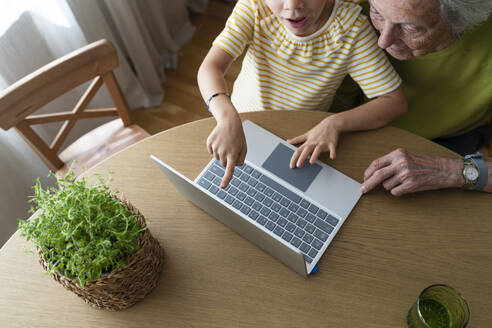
(388, 250)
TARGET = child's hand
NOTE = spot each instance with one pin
(227, 144)
(323, 137)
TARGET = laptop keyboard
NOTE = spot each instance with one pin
(276, 208)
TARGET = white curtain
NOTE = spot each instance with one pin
(147, 34)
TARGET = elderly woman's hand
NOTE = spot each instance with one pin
(401, 172)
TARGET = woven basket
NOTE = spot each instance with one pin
(123, 287)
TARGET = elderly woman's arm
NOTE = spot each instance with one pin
(401, 172)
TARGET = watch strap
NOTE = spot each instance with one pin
(482, 170)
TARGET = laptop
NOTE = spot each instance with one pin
(292, 214)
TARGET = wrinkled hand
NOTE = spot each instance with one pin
(401, 172)
(227, 144)
(323, 137)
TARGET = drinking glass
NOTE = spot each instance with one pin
(439, 306)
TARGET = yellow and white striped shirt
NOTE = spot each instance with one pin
(284, 71)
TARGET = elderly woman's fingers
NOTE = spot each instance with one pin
(377, 177)
(381, 162)
(392, 182)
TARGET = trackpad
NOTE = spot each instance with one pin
(278, 163)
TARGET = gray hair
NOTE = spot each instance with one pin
(462, 15)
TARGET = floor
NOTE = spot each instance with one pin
(183, 102)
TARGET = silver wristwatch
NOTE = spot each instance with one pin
(474, 172)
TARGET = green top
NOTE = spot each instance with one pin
(448, 92)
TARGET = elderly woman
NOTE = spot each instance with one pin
(442, 49)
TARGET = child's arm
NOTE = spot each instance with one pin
(226, 142)
(324, 136)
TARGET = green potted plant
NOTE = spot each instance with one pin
(93, 243)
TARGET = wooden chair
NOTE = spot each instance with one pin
(95, 62)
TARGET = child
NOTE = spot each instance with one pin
(299, 52)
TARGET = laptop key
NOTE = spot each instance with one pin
(305, 248)
(290, 227)
(304, 203)
(269, 192)
(249, 201)
(214, 189)
(323, 226)
(260, 187)
(277, 197)
(301, 212)
(282, 222)
(292, 218)
(245, 209)
(221, 194)
(301, 223)
(235, 182)
(308, 259)
(217, 170)
(316, 244)
(332, 220)
(268, 202)
(243, 186)
(276, 207)
(229, 199)
(262, 220)
(287, 236)
(273, 216)
(310, 228)
(311, 218)
(209, 176)
(237, 172)
(285, 202)
(204, 183)
(259, 197)
(244, 177)
(284, 212)
(278, 231)
(270, 225)
(252, 182)
(308, 238)
(312, 253)
(321, 214)
(293, 207)
(320, 235)
(248, 169)
(255, 174)
(252, 192)
(257, 206)
(296, 242)
(254, 215)
(216, 181)
(237, 204)
(299, 232)
(265, 211)
(313, 209)
(233, 191)
(241, 196)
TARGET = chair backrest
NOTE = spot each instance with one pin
(96, 62)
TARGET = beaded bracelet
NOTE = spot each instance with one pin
(207, 104)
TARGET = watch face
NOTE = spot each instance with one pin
(471, 173)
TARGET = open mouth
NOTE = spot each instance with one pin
(297, 22)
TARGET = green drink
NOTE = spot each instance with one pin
(439, 306)
(435, 314)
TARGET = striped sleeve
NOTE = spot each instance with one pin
(239, 29)
(368, 64)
